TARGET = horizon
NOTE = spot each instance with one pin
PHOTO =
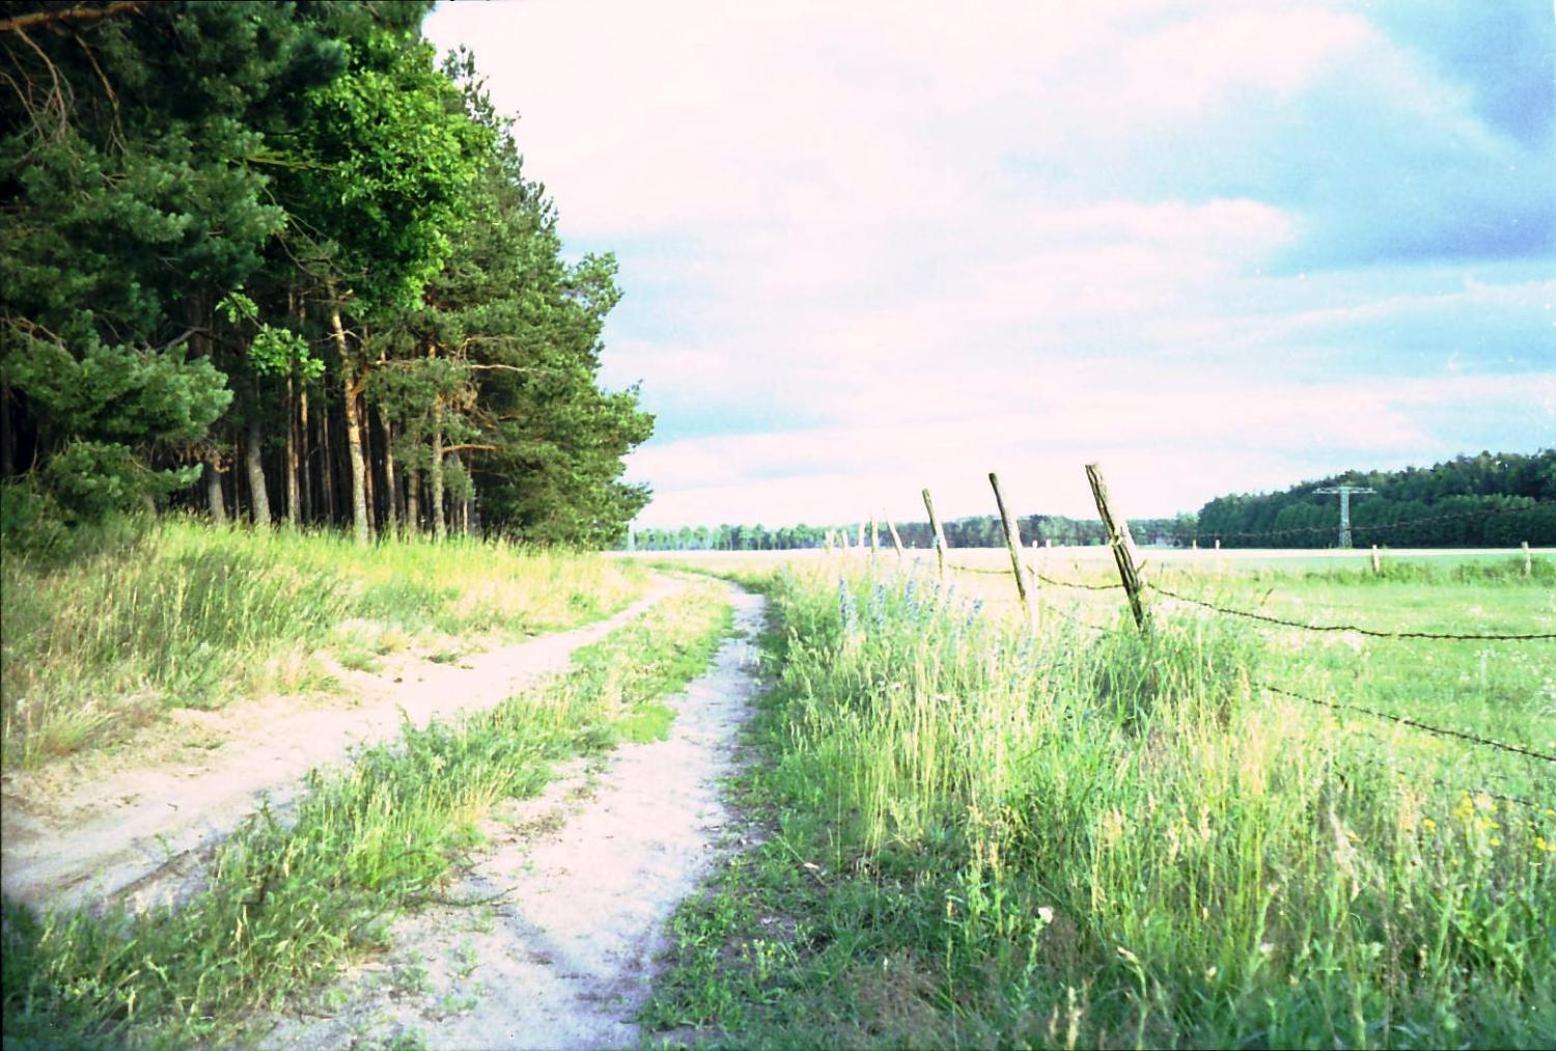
(872, 250)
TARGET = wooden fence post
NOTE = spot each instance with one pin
(1377, 562)
(1528, 560)
(861, 536)
(873, 538)
(1122, 543)
(896, 538)
(1013, 545)
(934, 526)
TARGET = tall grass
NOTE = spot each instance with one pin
(286, 904)
(188, 615)
(1103, 839)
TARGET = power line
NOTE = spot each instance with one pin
(1346, 491)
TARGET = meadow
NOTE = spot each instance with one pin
(1219, 832)
(183, 615)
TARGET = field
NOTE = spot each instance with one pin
(1223, 832)
(1311, 805)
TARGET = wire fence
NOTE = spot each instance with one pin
(1403, 720)
(1356, 629)
(1135, 585)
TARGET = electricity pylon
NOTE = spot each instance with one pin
(1345, 492)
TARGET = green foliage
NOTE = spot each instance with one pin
(977, 838)
(196, 186)
(92, 480)
(1487, 500)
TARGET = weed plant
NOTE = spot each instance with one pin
(187, 615)
(1093, 838)
(287, 902)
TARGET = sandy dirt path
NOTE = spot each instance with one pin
(138, 832)
(586, 878)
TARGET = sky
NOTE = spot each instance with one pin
(1216, 246)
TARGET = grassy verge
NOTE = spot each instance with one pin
(285, 905)
(1101, 840)
(186, 615)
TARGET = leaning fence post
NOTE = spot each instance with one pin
(1013, 545)
(934, 525)
(1528, 560)
(896, 538)
(1122, 543)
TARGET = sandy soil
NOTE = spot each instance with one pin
(579, 886)
(78, 835)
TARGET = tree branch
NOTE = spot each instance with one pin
(79, 13)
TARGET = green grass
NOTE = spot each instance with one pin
(184, 615)
(1097, 839)
(287, 904)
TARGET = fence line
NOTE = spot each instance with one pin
(1077, 584)
(1443, 782)
(1415, 723)
(1136, 588)
(1354, 628)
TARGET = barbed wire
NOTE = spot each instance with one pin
(1441, 782)
(1045, 579)
(1403, 720)
(979, 570)
(1355, 628)
(1495, 776)
(1075, 583)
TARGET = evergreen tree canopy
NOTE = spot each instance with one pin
(279, 234)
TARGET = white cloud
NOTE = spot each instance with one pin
(869, 246)
(1166, 451)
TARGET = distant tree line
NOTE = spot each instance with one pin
(976, 531)
(275, 262)
(1488, 500)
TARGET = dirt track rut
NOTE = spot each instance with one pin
(136, 832)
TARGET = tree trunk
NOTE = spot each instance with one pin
(259, 496)
(293, 487)
(213, 489)
(365, 421)
(351, 387)
(435, 474)
(391, 490)
(461, 513)
(412, 502)
(326, 466)
(7, 446)
(304, 456)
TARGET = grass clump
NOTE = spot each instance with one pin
(287, 901)
(184, 615)
(1097, 839)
